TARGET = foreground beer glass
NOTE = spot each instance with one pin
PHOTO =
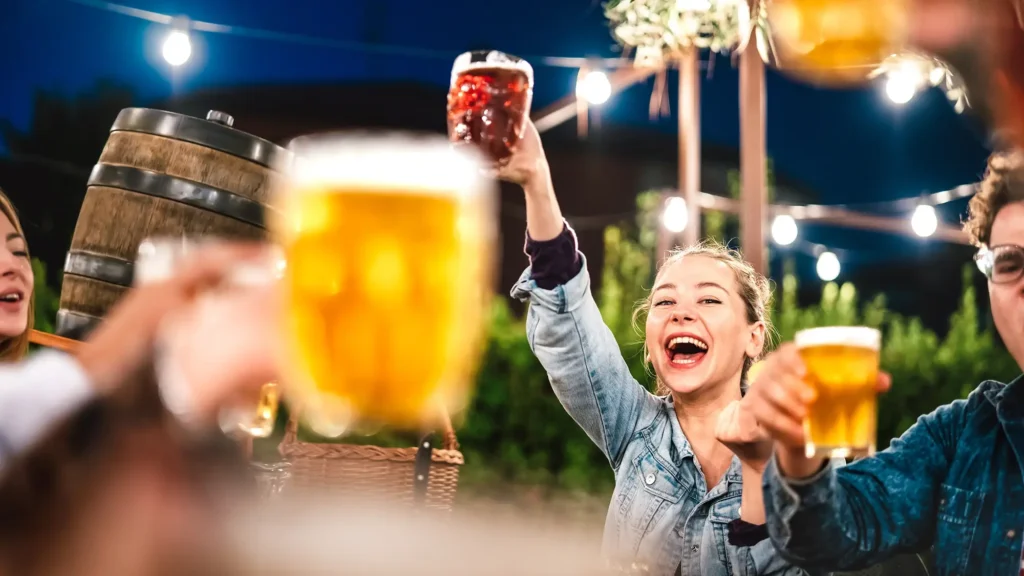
(489, 102)
(836, 42)
(390, 245)
(158, 259)
(842, 367)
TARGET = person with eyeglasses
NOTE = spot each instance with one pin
(954, 481)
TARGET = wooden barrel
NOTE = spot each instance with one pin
(161, 174)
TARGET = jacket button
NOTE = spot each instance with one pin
(649, 479)
(694, 548)
(1011, 534)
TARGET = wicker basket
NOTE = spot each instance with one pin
(419, 475)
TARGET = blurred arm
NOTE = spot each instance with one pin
(870, 510)
(36, 393)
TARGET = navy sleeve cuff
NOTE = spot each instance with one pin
(746, 534)
(556, 261)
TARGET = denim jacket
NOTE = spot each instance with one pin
(952, 481)
(662, 513)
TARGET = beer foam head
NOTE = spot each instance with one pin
(392, 162)
(489, 60)
(855, 336)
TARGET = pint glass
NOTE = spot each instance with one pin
(389, 241)
(489, 101)
(158, 259)
(842, 367)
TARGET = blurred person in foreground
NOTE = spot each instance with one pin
(120, 485)
(954, 480)
(680, 503)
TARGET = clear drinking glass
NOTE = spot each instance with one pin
(842, 367)
(158, 259)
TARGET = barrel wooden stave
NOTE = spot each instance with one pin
(113, 221)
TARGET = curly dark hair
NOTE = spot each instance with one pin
(1003, 184)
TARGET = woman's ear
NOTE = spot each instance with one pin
(758, 333)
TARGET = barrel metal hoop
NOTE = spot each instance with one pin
(99, 267)
(204, 133)
(188, 192)
(76, 325)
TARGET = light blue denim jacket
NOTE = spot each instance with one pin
(662, 512)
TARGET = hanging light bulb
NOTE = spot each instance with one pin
(784, 230)
(924, 222)
(594, 87)
(828, 266)
(903, 82)
(177, 48)
(676, 215)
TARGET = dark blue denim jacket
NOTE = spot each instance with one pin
(954, 480)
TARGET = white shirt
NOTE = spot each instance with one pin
(36, 393)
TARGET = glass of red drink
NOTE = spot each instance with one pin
(489, 102)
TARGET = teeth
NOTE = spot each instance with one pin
(11, 297)
(687, 340)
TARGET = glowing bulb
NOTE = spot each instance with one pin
(676, 215)
(924, 222)
(177, 48)
(828, 266)
(594, 87)
(784, 230)
(902, 83)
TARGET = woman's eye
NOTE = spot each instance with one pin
(710, 301)
(663, 303)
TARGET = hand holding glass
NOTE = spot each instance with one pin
(842, 367)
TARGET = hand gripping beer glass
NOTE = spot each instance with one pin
(489, 102)
(158, 259)
(842, 367)
(390, 244)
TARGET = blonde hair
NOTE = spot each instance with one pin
(755, 291)
(14, 349)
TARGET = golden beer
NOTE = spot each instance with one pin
(836, 42)
(389, 244)
(842, 367)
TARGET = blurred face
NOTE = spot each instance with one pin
(1008, 298)
(697, 331)
(16, 281)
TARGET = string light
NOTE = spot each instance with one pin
(784, 230)
(676, 215)
(828, 267)
(924, 222)
(594, 87)
(903, 82)
(177, 48)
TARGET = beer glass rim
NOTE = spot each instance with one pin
(856, 336)
(392, 161)
(491, 59)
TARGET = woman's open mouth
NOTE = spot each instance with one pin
(686, 351)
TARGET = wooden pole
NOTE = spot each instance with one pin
(753, 190)
(689, 142)
(666, 239)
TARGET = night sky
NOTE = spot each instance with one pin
(849, 146)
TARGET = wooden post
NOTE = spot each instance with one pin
(689, 142)
(666, 239)
(753, 191)
(582, 112)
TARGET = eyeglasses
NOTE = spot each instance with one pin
(1001, 264)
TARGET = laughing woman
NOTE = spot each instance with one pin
(679, 506)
